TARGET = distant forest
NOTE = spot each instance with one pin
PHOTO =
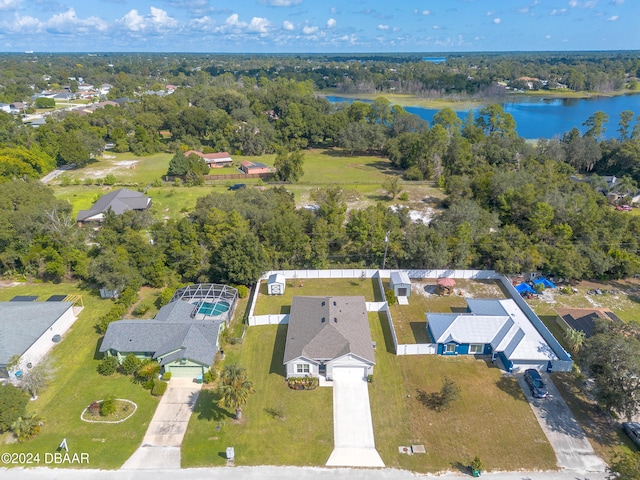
(511, 205)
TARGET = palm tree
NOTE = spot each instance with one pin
(575, 340)
(235, 388)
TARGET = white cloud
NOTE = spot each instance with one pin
(21, 24)
(281, 3)
(307, 30)
(490, 13)
(590, 4)
(233, 24)
(423, 12)
(287, 25)
(436, 27)
(497, 21)
(383, 27)
(258, 25)
(331, 23)
(157, 20)
(68, 22)
(555, 12)
(548, 37)
(616, 2)
(573, 3)
(9, 4)
(613, 18)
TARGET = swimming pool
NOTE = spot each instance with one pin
(213, 309)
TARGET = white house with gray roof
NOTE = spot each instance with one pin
(180, 343)
(118, 201)
(328, 333)
(30, 330)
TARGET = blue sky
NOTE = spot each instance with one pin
(235, 26)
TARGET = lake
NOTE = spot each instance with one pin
(538, 117)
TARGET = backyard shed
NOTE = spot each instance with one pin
(276, 284)
(401, 284)
(445, 286)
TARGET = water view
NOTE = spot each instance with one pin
(539, 117)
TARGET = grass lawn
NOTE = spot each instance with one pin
(492, 419)
(304, 436)
(281, 304)
(75, 384)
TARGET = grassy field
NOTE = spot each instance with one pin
(281, 304)
(303, 435)
(490, 419)
(75, 384)
(359, 176)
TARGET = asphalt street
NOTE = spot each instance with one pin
(277, 473)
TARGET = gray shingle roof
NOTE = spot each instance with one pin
(119, 201)
(195, 341)
(324, 328)
(22, 323)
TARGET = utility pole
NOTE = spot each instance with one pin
(386, 246)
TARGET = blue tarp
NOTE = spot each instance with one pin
(524, 288)
(545, 282)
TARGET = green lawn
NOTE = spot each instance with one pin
(492, 418)
(359, 176)
(75, 384)
(303, 437)
(280, 304)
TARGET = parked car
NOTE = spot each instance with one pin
(632, 429)
(535, 382)
(237, 186)
(623, 208)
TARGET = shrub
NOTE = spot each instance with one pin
(370, 378)
(242, 291)
(108, 406)
(159, 387)
(165, 296)
(115, 313)
(148, 384)
(65, 180)
(209, 376)
(110, 179)
(130, 364)
(404, 196)
(94, 409)
(25, 428)
(13, 403)
(88, 181)
(390, 296)
(141, 309)
(108, 366)
(166, 376)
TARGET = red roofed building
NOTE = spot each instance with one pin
(254, 167)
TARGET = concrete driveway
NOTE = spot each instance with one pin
(573, 450)
(354, 445)
(161, 444)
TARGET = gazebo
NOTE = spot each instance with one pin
(445, 286)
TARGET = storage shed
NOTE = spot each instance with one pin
(401, 284)
(276, 284)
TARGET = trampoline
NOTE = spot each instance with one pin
(213, 309)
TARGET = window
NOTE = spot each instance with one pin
(450, 348)
(476, 349)
(302, 368)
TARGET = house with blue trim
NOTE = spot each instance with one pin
(492, 327)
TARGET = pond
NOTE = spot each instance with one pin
(540, 117)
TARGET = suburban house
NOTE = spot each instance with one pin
(181, 345)
(583, 319)
(214, 160)
(183, 337)
(254, 167)
(29, 329)
(491, 327)
(328, 333)
(118, 201)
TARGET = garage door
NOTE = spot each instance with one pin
(185, 372)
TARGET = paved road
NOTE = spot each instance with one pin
(573, 450)
(276, 473)
(59, 171)
(354, 444)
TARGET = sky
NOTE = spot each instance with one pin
(317, 26)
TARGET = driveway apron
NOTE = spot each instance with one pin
(573, 450)
(354, 445)
(161, 444)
